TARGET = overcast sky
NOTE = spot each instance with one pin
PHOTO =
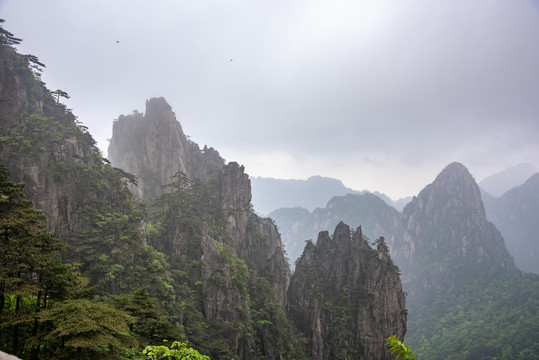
(379, 94)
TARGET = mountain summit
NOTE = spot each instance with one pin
(154, 147)
(447, 221)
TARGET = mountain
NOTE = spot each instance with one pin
(233, 260)
(466, 298)
(153, 146)
(255, 241)
(170, 251)
(447, 220)
(497, 184)
(297, 225)
(515, 215)
(271, 194)
(347, 297)
(90, 212)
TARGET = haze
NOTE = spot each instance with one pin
(379, 94)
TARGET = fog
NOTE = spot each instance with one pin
(381, 95)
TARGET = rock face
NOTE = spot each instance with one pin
(43, 146)
(154, 147)
(241, 268)
(515, 215)
(296, 225)
(256, 239)
(447, 221)
(346, 298)
(448, 252)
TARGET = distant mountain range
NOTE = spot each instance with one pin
(302, 208)
(367, 210)
(465, 294)
(271, 194)
(516, 215)
(499, 183)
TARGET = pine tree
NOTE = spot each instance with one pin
(31, 267)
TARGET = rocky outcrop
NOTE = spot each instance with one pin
(154, 148)
(237, 265)
(346, 297)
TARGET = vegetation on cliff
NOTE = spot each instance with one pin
(100, 273)
(142, 273)
(347, 297)
(466, 298)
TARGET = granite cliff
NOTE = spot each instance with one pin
(43, 145)
(373, 291)
(347, 297)
(444, 234)
(154, 148)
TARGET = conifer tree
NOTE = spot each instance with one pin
(31, 267)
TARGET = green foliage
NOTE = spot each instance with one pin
(177, 350)
(87, 328)
(7, 38)
(31, 269)
(495, 315)
(150, 324)
(238, 269)
(398, 348)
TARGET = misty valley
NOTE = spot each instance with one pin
(158, 250)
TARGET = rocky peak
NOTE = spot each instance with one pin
(154, 148)
(447, 221)
(453, 188)
(346, 297)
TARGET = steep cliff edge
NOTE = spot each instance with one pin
(43, 145)
(346, 298)
(232, 260)
(154, 148)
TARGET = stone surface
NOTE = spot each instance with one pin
(153, 147)
(446, 222)
(346, 297)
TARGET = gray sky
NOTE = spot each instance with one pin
(379, 94)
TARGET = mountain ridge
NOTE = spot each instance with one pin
(515, 215)
(270, 194)
(499, 183)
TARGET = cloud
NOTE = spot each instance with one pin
(293, 89)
